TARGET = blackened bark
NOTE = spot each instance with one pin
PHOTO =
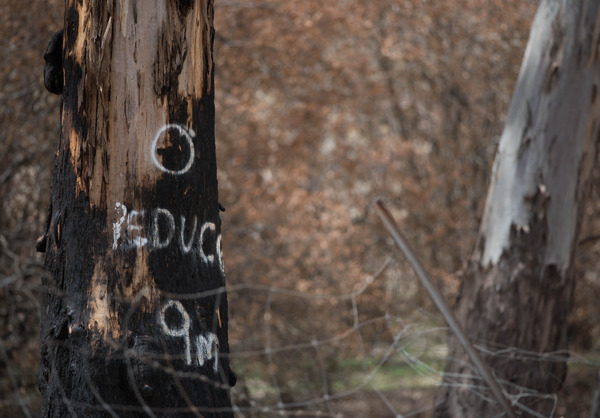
(53, 75)
(134, 317)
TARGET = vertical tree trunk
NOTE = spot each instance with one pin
(134, 316)
(518, 289)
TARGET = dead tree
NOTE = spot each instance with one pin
(134, 315)
(518, 289)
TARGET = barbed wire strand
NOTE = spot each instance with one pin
(409, 343)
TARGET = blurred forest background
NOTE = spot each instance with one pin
(321, 106)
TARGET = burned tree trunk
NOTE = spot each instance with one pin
(518, 289)
(134, 316)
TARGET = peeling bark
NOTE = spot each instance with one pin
(519, 285)
(134, 317)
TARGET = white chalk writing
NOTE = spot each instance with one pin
(135, 230)
(166, 230)
(208, 225)
(206, 346)
(187, 134)
(220, 254)
(117, 225)
(187, 247)
(156, 241)
(159, 228)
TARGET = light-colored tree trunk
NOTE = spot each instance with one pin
(134, 316)
(518, 289)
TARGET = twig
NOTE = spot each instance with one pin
(13, 380)
(441, 304)
(589, 240)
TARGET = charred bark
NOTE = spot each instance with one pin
(518, 290)
(134, 316)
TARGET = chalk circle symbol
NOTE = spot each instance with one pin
(182, 132)
(184, 328)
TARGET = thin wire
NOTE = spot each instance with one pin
(439, 301)
(328, 401)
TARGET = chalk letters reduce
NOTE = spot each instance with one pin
(165, 231)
